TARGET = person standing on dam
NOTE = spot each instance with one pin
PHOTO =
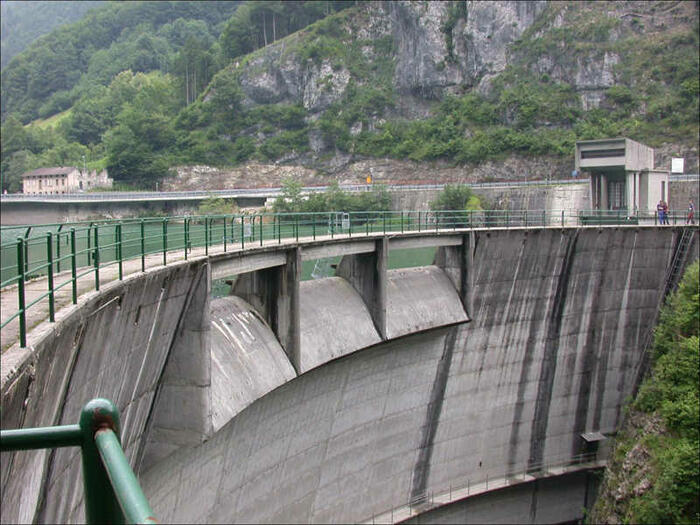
(661, 211)
(691, 212)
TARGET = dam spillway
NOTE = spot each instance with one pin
(557, 321)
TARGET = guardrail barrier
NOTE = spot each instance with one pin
(112, 492)
(66, 252)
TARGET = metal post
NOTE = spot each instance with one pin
(384, 222)
(58, 248)
(437, 220)
(119, 250)
(89, 245)
(97, 259)
(544, 218)
(224, 234)
(419, 221)
(242, 232)
(261, 230)
(73, 266)
(20, 291)
(143, 246)
(206, 235)
(100, 504)
(49, 253)
(526, 218)
(296, 227)
(26, 250)
(313, 226)
(562, 218)
(186, 234)
(332, 225)
(401, 221)
(165, 240)
(279, 229)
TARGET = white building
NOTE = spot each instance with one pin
(622, 175)
(64, 179)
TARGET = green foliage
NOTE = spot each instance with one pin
(217, 206)
(256, 24)
(454, 197)
(141, 36)
(672, 391)
(334, 199)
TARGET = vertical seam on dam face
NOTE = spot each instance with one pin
(588, 363)
(549, 360)
(525, 369)
(421, 470)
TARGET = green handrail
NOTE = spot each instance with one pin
(136, 238)
(112, 491)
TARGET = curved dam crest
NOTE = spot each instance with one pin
(552, 350)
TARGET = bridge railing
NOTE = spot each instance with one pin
(65, 253)
(112, 492)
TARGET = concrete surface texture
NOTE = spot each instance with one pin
(114, 345)
(247, 360)
(558, 318)
(561, 499)
(552, 352)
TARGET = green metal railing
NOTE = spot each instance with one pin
(66, 252)
(112, 492)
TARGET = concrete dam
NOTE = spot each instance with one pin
(345, 399)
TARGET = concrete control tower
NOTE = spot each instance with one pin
(622, 174)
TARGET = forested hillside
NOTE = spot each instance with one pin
(151, 85)
(23, 22)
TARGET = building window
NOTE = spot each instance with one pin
(602, 153)
(616, 195)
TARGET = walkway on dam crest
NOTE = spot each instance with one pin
(12, 354)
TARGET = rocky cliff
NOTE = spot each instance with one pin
(464, 84)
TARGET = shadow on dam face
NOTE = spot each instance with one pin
(365, 421)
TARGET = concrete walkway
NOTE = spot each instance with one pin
(34, 289)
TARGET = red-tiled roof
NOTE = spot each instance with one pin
(62, 170)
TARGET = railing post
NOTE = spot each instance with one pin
(206, 235)
(384, 222)
(526, 218)
(242, 232)
(279, 228)
(562, 218)
(100, 504)
(165, 240)
(89, 245)
(296, 227)
(419, 220)
(313, 226)
(261, 230)
(49, 253)
(332, 224)
(401, 221)
(20, 292)
(58, 248)
(119, 250)
(143, 246)
(97, 258)
(186, 234)
(437, 220)
(26, 250)
(544, 218)
(73, 266)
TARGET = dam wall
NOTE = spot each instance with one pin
(370, 420)
(553, 349)
(113, 344)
